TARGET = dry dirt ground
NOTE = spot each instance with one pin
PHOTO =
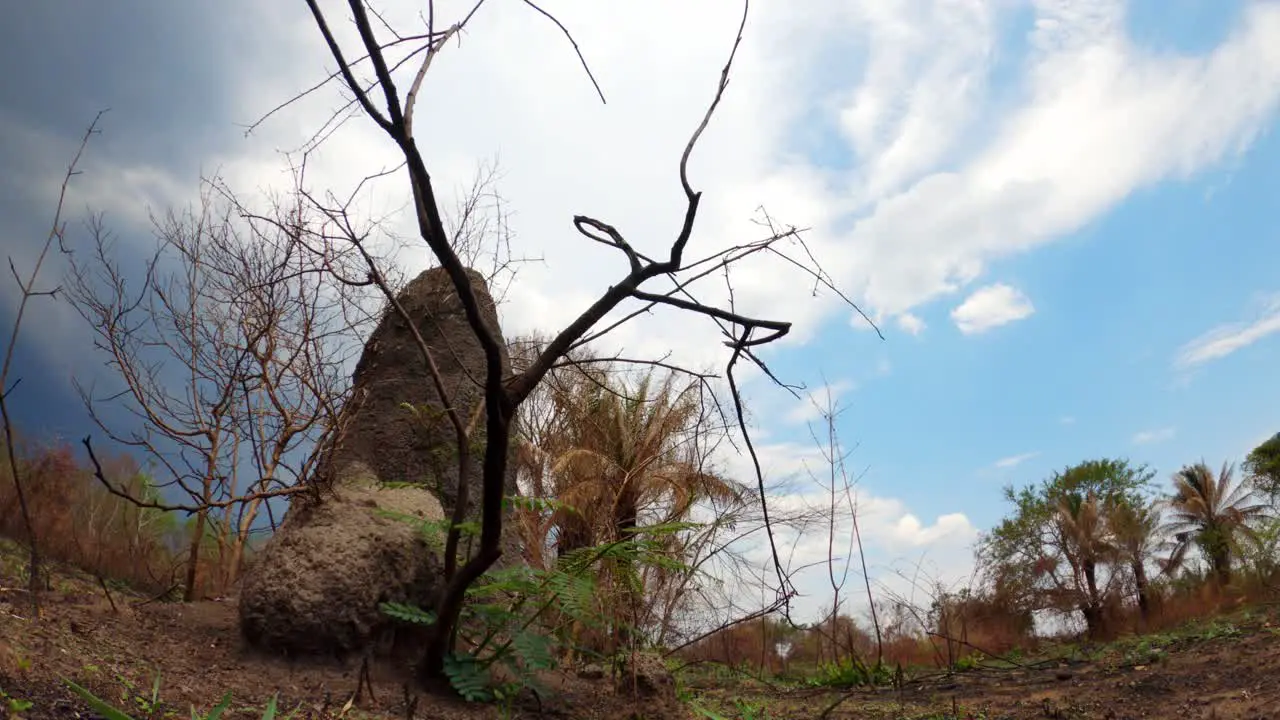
(1222, 669)
(1229, 668)
(116, 644)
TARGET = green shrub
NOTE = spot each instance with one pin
(520, 618)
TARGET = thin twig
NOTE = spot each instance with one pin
(180, 507)
(573, 42)
(28, 292)
(106, 591)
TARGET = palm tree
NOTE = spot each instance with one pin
(625, 453)
(1085, 544)
(1208, 511)
(628, 452)
(1135, 532)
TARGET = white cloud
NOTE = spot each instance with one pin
(1158, 435)
(891, 532)
(1098, 117)
(949, 173)
(909, 532)
(991, 307)
(941, 550)
(1223, 340)
(917, 97)
(1014, 460)
(885, 523)
(782, 463)
(1067, 420)
(911, 324)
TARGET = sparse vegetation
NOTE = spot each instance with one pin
(612, 583)
(1058, 550)
(227, 362)
(83, 524)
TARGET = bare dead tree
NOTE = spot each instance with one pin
(840, 489)
(380, 53)
(231, 357)
(57, 233)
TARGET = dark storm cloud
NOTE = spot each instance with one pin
(167, 71)
(160, 66)
(43, 404)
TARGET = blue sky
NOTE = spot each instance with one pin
(1093, 367)
(1060, 211)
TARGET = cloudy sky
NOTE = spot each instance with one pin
(1058, 211)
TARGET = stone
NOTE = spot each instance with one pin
(647, 676)
(647, 681)
(399, 445)
(316, 585)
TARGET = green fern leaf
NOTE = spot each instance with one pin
(468, 677)
(408, 613)
(534, 650)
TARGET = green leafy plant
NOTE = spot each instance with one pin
(518, 617)
(110, 712)
(469, 677)
(1146, 650)
(707, 713)
(15, 705)
(852, 672)
(408, 613)
(1220, 629)
(148, 704)
(743, 710)
(751, 710)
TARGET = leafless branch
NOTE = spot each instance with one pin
(569, 36)
(503, 393)
(230, 356)
(29, 291)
